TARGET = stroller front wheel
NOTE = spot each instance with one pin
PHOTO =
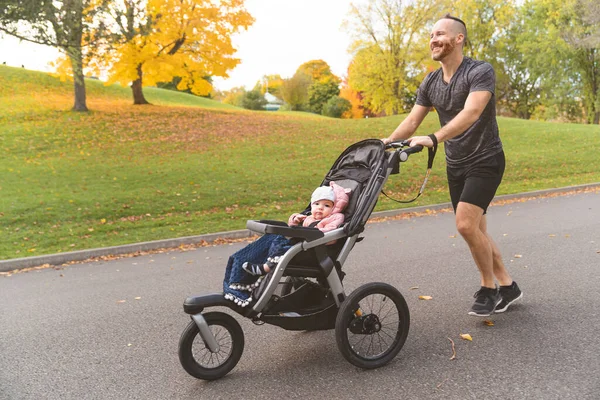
(198, 360)
(372, 325)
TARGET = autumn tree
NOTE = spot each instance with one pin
(271, 84)
(323, 84)
(295, 91)
(354, 98)
(60, 24)
(156, 40)
(390, 50)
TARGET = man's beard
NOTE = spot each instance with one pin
(447, 48)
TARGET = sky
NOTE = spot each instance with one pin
(285, 34)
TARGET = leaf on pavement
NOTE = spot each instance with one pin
(518, 256)
(551, 235)
(137, 298)
(488, 322)
(453, 349)
(413, 288)
(466, 336)
(425, 297)
(121, 301)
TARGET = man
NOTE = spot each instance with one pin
(462, 92)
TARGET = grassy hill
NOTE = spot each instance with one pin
(187, 165)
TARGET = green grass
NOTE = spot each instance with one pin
(187, 165)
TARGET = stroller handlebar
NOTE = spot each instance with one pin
(404, 149)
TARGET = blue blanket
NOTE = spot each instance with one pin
(238, 284)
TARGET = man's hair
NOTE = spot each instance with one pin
(463, 28)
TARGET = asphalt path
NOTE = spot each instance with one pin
(109, 330)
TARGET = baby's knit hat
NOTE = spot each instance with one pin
(323, 193)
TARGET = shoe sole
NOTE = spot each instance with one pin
(506, 306)
(473, 313)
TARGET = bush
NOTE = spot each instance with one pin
(254, 100)
(335, 107)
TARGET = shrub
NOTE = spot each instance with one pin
(335, 107)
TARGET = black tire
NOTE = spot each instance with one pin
(361, 339)
(198, 360)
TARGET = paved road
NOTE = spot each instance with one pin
(67, 334)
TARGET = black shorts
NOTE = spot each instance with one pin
(477, 183)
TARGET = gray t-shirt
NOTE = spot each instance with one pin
(481, 140)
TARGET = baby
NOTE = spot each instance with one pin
(326, 206)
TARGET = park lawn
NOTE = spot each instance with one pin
(187, 166)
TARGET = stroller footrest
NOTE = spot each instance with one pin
(196, 304)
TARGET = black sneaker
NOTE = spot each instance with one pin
(509, 295)
(486, 300)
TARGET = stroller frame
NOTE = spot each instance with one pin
(347, 316)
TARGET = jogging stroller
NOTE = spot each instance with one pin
(305, 291)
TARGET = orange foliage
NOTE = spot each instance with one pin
(346, 92)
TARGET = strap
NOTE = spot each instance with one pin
(431, 156)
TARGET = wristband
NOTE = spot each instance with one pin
(433, 139)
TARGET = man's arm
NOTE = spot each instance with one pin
(409, 125)
(474, 106)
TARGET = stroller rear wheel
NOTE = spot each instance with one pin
(372, 325)
(198, 360)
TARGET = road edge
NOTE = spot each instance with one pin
(81, 255)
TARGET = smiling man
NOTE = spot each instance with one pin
(462, 92)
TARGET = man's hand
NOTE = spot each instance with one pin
(424, 141)
(386, 141)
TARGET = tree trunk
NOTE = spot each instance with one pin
(78, 79)
(136, 88)
(597, 118)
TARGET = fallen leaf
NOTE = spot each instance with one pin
(452, 236)
(488, 322)
(425, 297)
(121, 301)
(128, 344)
(466, 336)
(137, 298)
(551, 235)
(518, 256)
(505, 234)
(453, 349)
(413, 288)
(508, 213)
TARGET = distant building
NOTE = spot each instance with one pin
(273, 103)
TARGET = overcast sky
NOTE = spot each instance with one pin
(286, 34)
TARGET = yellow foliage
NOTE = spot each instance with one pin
(190, 39)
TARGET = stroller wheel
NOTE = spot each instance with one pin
(198, 360)
(372, 325)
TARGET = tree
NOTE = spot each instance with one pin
(336, 106)
(158, 40)
(319, 93)
(271, 84)
(390, 51)
(520, 89)
(295, 91)
(353, 97)
(559, 44)
(254, 100)
(323, 84)
(234, 96)
(60, 24)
